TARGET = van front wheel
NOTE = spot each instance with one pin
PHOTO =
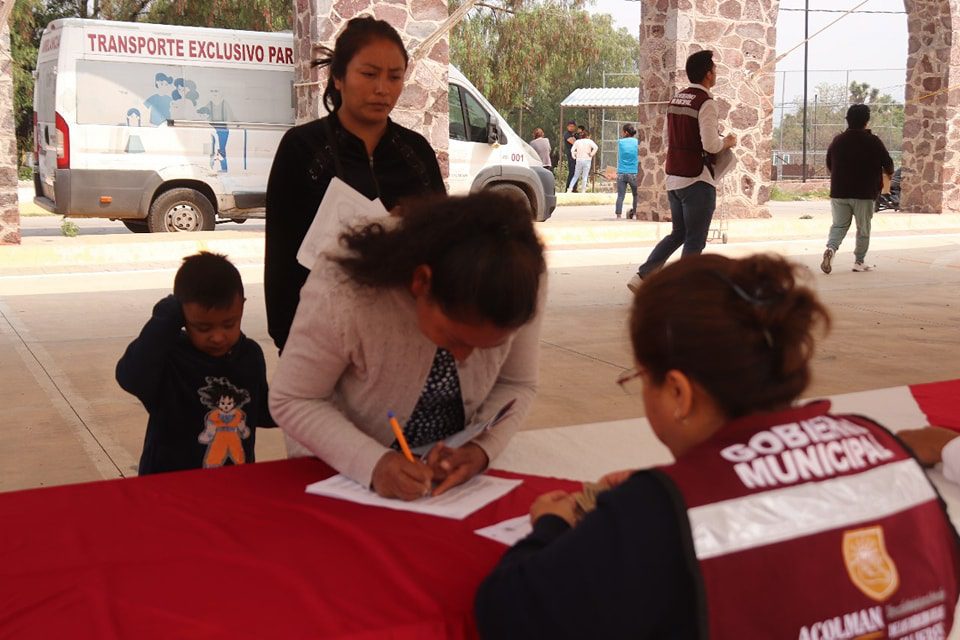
(181, 210)
(515, 192)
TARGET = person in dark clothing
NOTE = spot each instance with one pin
(357, 142)
(722, 543)
(202, 382)
(569, 137)
(855, 159)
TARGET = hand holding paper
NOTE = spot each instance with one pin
(342, 208)
(469, 432)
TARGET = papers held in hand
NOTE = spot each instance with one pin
(341, 209)
(468, 433)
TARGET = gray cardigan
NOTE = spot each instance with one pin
(355, 352)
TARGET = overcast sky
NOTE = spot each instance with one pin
(862, 43)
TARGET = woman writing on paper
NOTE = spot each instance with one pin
(434, 315)
(357, 142)
(774, 521)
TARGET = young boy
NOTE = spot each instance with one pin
(205, 387)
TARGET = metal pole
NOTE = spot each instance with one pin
(806, 36)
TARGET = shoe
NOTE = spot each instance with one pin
(634, 284)
(826, 265)
(618, 216)
(631, 214)
(860, 267)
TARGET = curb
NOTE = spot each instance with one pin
(46, 253)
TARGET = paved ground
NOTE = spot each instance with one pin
(69, 306)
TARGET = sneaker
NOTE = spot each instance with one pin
(634, 284)
(826, 265)
(860, 267)
(618, 216)
(631, 214)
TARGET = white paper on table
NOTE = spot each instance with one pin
(508, 532)
(457, 503)
(469, 432)
(342, 207)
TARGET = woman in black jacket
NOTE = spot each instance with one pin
(357, 143)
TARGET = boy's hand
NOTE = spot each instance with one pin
(557, 503)
(396, 477)
(452, 467)
(928, 443)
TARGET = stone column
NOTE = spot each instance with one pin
(9, 208)
(742, 35)
(423, 105)
(931, 130)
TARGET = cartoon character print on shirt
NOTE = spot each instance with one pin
(225, 425)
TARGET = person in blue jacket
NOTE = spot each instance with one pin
(627, 157)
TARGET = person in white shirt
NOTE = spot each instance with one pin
(583, 151)
(693, 143)
(933, 445)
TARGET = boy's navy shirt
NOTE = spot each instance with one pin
(176, 383)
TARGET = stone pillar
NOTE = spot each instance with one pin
(423, 105)
(742, 35)
(931, 130)
(9, 208)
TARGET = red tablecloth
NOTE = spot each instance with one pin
(940, 401)
(239, 552)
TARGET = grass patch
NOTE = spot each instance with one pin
(779, 195)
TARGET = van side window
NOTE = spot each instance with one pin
(477, 118)
(458, 128)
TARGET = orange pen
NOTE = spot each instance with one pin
(398, 433)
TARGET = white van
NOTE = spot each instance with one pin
(171, 128)
(485, 153)
(163, 127)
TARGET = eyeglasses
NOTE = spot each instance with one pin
(630, 381)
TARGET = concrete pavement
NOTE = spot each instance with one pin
(69, 306)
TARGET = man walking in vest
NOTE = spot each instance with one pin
(855, 160)
(693, 142)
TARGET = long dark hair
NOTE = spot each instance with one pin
(743, 329)
(359, 33)
(484, 256)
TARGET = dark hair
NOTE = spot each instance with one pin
(538, 133)
(484, 255)
(858, 116)
(359, 33)
(743, 329)
(629, 130)
(698, 65)
(217, 388)
(208, 279)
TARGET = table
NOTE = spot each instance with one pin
(239, 552)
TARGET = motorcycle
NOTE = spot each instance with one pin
(890, 201)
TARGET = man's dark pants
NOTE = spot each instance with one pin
(692, 211)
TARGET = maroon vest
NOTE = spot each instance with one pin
(685, 154)
(807, 525)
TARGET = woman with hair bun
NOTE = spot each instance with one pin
(433, 314)
(776, 520)
(357, 143)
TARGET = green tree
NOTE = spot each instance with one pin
(528, 55)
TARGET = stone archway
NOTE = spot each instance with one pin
(743, 34)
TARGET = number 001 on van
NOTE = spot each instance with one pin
(163, 127)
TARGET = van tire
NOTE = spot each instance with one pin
(514, 191)
(181, 210)
(137, 226)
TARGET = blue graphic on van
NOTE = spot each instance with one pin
(159, 103)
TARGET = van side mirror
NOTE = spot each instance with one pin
(494, 134)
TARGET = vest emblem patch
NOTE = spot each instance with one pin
(870, 567)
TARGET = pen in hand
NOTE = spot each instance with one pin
(398, 434)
